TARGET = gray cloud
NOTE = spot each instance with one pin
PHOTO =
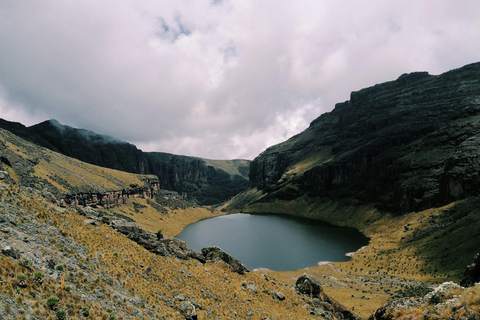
(216, 79)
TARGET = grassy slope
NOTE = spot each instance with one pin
(232, 167)
(60, 172)
(171, 221)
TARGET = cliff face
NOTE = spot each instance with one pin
(206, 181)
(405, 145)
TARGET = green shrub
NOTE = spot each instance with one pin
(159, 234)
(52, 302)
(38, 275)
(112, 316)
(86, 311)
(68, 288)
(22, 277)
(59, 267)
(61, 314)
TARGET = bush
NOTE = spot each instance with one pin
(61, 314)
(22, 277)
(59, 267)
(68, 288)
(86, 311)
(52, 302)
(38, 275)
(159, 234)
(112, 316)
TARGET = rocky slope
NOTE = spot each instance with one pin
(405, 145)
(65, 263)
(205, 181)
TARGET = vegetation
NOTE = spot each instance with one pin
(52, 302)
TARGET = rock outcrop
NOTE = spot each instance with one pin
(308, 285)
(173, 247)
(447, 301)
(319, 303)
(212, 253)
(114, 198)
(405, 145)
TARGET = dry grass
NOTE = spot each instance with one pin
(217, 289)
(171, 223)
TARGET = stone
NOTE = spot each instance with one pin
(91, 222)
(278, 295)
(7, 250)
(309, 285)
(3, 175)
(188, 311)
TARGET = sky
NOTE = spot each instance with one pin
(219, 79)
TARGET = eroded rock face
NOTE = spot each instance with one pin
(406, 145)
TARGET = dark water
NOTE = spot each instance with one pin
(274, 242)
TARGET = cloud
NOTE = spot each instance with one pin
(215, 79)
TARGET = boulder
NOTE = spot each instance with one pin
(472, 273)
(211, 253)
(7, 250)
(278, 295)
(307, 284)
(90, 222)
(188, 311)
(3, 175)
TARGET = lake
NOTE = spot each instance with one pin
(273, 241)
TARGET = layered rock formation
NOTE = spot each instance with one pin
(115, 198)
(206, 181)
(405, 145)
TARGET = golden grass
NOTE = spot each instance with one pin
(171, 223)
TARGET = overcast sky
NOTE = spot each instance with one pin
(216, 79)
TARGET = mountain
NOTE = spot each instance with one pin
(206, 181)
(404, 145)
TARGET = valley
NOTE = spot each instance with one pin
(399, 161)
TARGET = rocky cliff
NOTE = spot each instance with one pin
(205, 181)
(405, 145)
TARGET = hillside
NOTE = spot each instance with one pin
(31, 165)
(205, 181)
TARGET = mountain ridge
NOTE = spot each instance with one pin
(367, 148)
(204, 180)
